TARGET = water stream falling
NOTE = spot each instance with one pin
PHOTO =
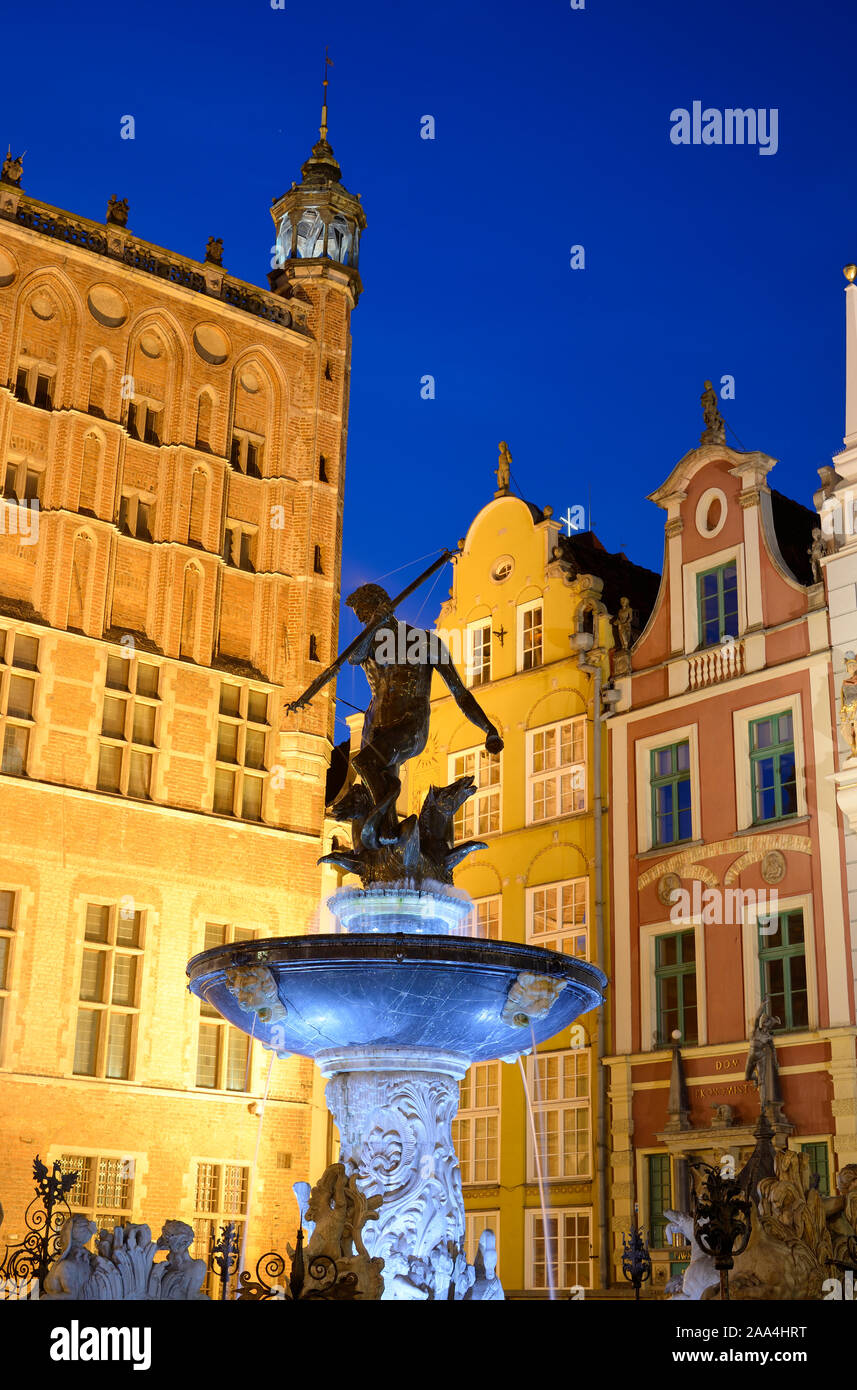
(538, 1157)
(242, 1262)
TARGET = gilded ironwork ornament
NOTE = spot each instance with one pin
(636, 1260)
(721, 1220)
(45, 1218)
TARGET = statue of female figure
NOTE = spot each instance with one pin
(762, 1061)
(69, 1274)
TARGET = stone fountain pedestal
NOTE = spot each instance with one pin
(394, 1009)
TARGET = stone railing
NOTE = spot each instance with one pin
(118, 244)
(716, 664)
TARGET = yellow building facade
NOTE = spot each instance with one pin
(533, 643)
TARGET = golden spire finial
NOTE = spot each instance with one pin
(328, 63)
(850, 273)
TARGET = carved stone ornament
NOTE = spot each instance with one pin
(700, 1273)
(123, 1267)
(773, 866)
(531, 996)
(256, 991)
(848, 704)
(667, 885)
(395, 1128)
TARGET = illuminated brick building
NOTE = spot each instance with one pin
(184, 435)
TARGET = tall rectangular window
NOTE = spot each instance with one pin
(556, 770)
(675, 986)
(478, 669)
(559, 1091)
(223, 1052)
(659, 1190)
(34, 383)
(485, 919)
(19, 665)
(23, 482)
(242, 732)
(109, 991)
(672, 817)
(557, 917)
(530, 636)
(475, 1222)
(772, 765)
(7, 933)
(145, 420)
(818, 1154)
(563, 1242)
(717, 603)
(128, 727)
(221, 1198)
(104, 1188)
(476, 1129)
(782, 965)
(480, 815)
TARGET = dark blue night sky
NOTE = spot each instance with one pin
(552, 130)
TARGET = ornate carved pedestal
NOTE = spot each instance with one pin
(394, 1108)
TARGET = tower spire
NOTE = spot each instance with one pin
(328, 63)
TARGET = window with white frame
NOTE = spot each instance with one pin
(7, 935)
(560, 1246)
(19, 666)
(478, 669)
(476, 1128)
(480, 815)
(223, 1052)
(475, 1222)
(557, 917)
(556, 770)
(242, 733)
(104, 1187)
(109, 993)
(128, 727)
(559, 1091)
(530, 636)
(485, 920)
(221, 1198)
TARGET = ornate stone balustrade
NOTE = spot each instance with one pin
(118, 244)
(716, 664)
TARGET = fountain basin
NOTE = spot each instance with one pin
(395, 990)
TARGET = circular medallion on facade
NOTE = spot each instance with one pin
(211, 343)
(151, 345)
(502, 568)
(43, 306)
(107, 306)
(773, 868)
(8, 268)
(250, 382)
(667, 885)
(711, 513)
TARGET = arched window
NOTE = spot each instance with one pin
(98, 383)
(204, 416)
(196, 522)
(80, 573)
(89, 474)
(190, 604)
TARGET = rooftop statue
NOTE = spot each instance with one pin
(13, 169)
(715, 429)
(503, 468)
(399, 662)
